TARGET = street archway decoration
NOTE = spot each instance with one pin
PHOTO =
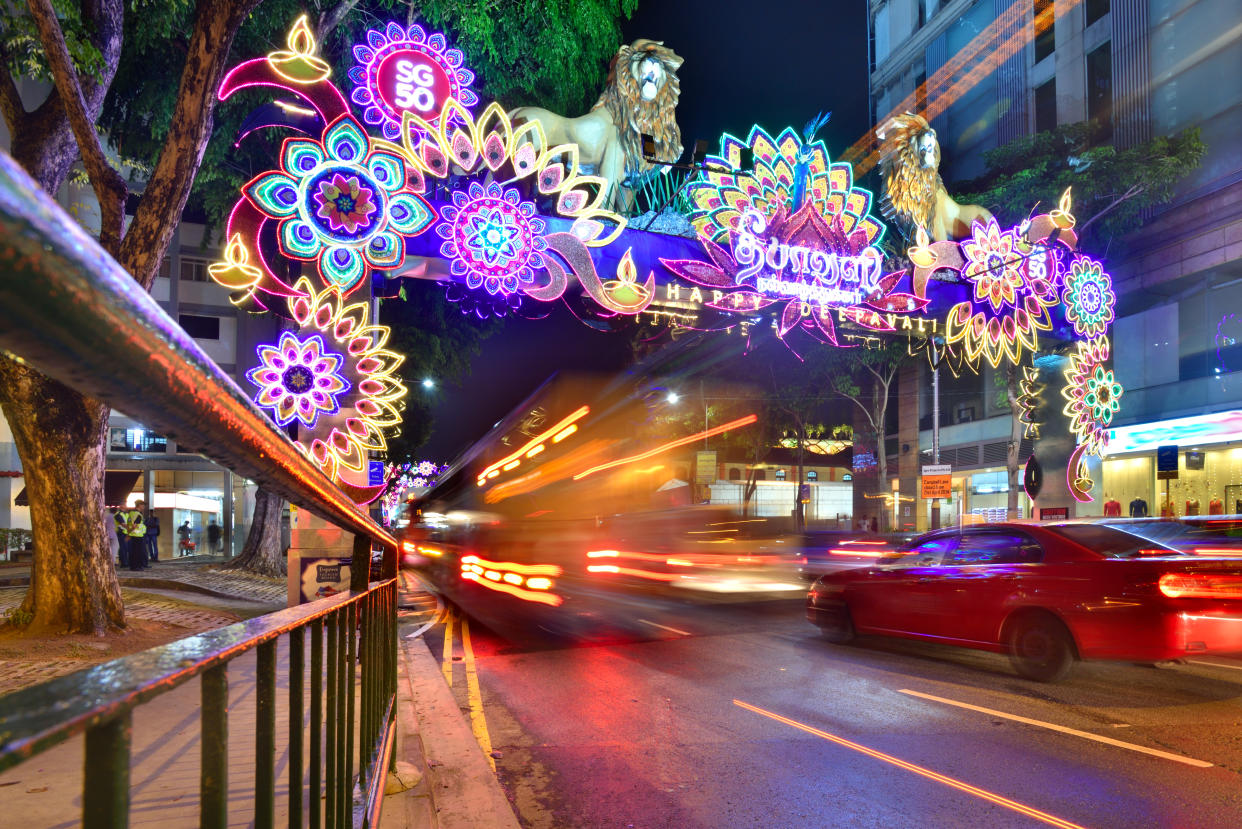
(411, 174)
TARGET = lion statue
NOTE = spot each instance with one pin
(914, 192)
(640, 98)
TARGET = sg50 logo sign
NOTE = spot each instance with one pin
(409, 80)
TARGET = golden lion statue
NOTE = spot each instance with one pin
(640, 98)
(914, 192)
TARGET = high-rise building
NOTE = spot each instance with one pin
(989, 71)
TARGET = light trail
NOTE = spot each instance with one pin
(1086, 735)
(983, 794)
(664, 627)
(715, 430)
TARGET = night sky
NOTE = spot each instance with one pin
(775, 63)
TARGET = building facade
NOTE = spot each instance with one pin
(1143, 68)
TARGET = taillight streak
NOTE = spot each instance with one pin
(1200, 586)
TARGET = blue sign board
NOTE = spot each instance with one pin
(375, 473)
(1166, 462)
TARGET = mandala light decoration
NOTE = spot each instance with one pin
(1013, 288)
(1092, 394)
(816, 258)
(337, 346)
(1088, 298)
(299, 379)
(407, 70)
(493, 238)
(341, 203)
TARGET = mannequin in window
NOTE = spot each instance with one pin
(1138, 508)
(1112, 507)
(1192, 506)
(1216, 507)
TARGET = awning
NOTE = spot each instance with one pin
(117, 485)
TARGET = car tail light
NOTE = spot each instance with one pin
(1201, 586)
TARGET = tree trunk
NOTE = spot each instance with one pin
(1016, 429)
(262, 553)
(60, 438)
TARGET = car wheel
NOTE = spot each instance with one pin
(1040, 648)
(836, 626)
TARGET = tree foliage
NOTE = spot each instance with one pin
(1111, 186)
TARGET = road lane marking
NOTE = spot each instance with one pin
(447, 666)
(983, 794)
(478, 723)
(1190, 761)
(664, 627)
(1214, 664)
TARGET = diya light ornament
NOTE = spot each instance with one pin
(341, 203)
(404, 70)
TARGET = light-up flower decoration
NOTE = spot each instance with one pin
(1088, 297)
(341, 203)
(1092, 394)
(1013, 286)
(407, 70)
(720, 195)
(299, 379)
(334, 376)
(427, 468)
(493, 238)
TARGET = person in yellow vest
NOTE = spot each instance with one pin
(136, 529)
(122, 536)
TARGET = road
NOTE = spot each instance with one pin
(739, 715)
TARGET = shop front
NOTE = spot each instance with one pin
(1175, 468)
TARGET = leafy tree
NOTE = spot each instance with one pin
(1111, 186)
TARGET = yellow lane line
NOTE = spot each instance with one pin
(478, 723)
(983, 794)
(1087, 735)
(447, 666)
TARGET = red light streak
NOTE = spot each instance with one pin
(1218, 551)
(627, 571)
(533, 443)
(1200, 586)
(733, 424)
(527, 595)
(862, 553)
(514, 567)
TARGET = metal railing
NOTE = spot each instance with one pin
(70, 311)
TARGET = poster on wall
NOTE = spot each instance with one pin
(320, 578)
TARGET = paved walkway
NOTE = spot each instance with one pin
(455, 785)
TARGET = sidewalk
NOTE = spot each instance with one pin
(455, 789)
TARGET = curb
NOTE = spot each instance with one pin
(460, 784)
(158, 584)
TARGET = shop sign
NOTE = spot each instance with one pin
(1053, 513)
(1166, 463)
(1217, 427)
(815, 276)
(936, 481)
(705, 467)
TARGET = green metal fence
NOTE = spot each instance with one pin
(69, 310)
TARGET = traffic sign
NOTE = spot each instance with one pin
(1166, 462)
(937, 481)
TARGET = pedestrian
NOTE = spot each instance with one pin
(875, 524)
(136, 529)
(114, 540)
(122, 536)
(153, 536)
(213, 536)
(184, 533)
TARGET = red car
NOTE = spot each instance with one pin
(1045, 594)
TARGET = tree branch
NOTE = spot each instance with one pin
(110, 188)
(329, 21)
(1134, 190)
(10, 100)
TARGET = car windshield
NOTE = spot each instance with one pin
(1112, 543)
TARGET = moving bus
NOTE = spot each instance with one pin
(585, 489)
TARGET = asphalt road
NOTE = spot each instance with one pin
(668, 714)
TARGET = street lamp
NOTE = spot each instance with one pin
(673, 397)
(428, 383)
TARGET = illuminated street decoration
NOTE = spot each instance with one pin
(1013, 288)
(1092, 394)
(817, 258)
(493, 238)
(400, 478)
(1088, 298)
(340, 203)
(407, 70)
(344, 358)
(299, 379)
(1029, 399)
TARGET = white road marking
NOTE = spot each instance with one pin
(665, 627)
(1214, 664)
(1190, 761)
